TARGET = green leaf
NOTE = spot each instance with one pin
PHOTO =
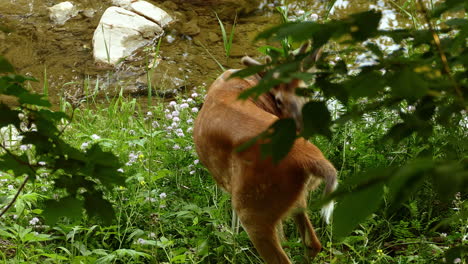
(458, 252)
(33, 99)
(9, 116)
(18, 164)
(368, 83)
(316, 119)
(358, 204)
(5, 66)
(365, 25)
(281, 140)
(69, 206)
(96, 205)
(406, 180)
(407, 84)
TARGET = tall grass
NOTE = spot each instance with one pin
(227, 40)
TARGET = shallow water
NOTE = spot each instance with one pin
(189, 52)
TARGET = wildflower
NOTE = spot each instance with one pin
(190, 129)
(176, 119)
(41, 163)
(142, 183)
(132, 158)
(190, 120)
(149, 113)
(181, 134)
(176, 147)
(141, 156)
(15, 216)
(95, 137)
(11, 187)
(195, 110)
(169, 128)
(141, 241)
(120, 170)
(172, 103)
(155, 124)
(196, 161)
(174, 124)
(162, 195)
(34, 221)
(167, 111)
(192, 172)
(443, 234)
(24, 147)
(184, 105)
(190, 100)
(121, 188)
(152, 235)
(168, 116)
(457, 260)
(84, 145)
(194, 95)
(131, 132)
(175, 113)
(188, 148)
(379, 252)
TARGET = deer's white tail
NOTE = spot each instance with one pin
(331, 185)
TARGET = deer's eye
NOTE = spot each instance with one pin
(279, 101)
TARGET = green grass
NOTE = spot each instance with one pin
(227, 40)
(170, 210)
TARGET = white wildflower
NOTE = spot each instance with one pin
(84, 145)
(195, 110)
(162, 195)
(120, 170)
(194, 95)
(34, 221)
(95, 137)
(196, 162)
(24, 147)
(184, 105)
(176, 147)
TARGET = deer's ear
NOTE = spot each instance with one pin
(248, 61)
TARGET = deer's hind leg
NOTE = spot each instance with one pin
(262, 233)
(309, 237)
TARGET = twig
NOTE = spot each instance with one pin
(10, 204)
(442, 55)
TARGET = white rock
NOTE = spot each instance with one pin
(151, 12)
(60, 13)
(120, 32)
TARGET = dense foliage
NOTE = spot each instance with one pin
(396, 128)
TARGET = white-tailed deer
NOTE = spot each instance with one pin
(263, 193)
